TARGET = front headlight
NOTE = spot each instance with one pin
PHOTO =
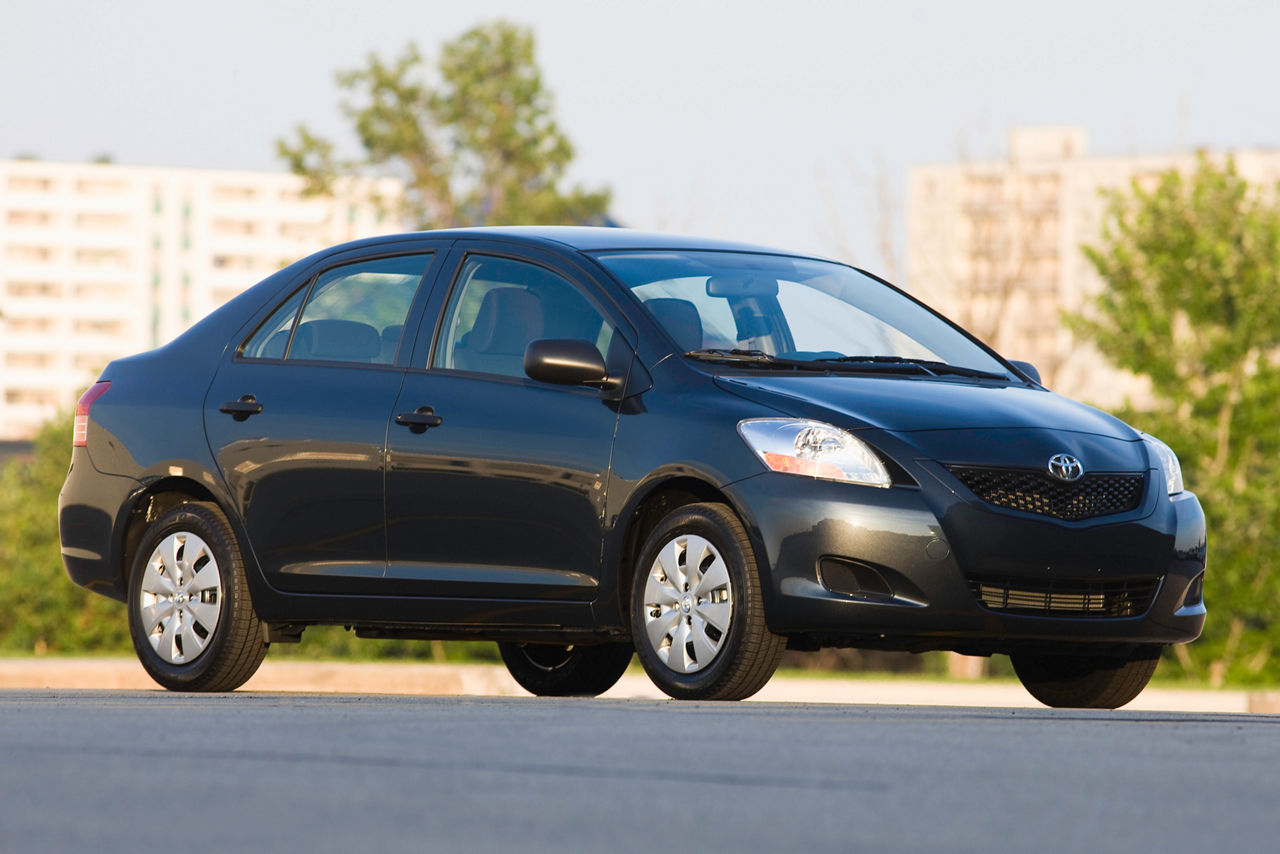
(798, 446)
(1168, 461)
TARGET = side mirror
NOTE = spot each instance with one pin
(565, 361)
(1028, 370)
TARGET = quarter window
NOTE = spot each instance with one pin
(499, 305)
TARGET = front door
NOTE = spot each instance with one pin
(501, 496)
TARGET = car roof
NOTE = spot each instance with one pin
(581, 238)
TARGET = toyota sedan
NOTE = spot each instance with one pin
(587, 443)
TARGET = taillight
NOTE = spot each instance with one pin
(80, 433)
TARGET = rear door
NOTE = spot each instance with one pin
(297, 418)
(503, 497)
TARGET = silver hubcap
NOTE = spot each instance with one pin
(181, 597)
(688, 604)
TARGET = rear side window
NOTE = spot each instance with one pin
(353, 313)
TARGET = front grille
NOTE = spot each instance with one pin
(1036, 492)
(1056, 598)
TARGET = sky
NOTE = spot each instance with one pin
(771, 122)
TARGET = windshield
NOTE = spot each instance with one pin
(776, 308)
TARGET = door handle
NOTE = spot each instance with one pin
(241, 409)
(420, 419)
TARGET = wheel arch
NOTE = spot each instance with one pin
(158, 498)
(647, 507)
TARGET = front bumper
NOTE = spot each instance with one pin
(928, 544)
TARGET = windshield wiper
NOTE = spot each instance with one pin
(892, 363)
(753, 357)
(874, 364)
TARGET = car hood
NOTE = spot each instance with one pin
(908, 405)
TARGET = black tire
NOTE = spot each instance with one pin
(555, 670)
(1086, 681)
(747, 653)
(199, 659)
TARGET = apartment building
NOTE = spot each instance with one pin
(101, 260)
(996, 246)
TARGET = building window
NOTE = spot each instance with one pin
(37, 290)
(234, 262)
(25, 253)
(28, 360)
(102, 257)
(103, 221)
(29, 325)
(235, 227)
(92, 362)
(100, 327)
(100, 187)
(102, 290)
(29, 219)
(30, 397)
(234, 193)
(29, 184)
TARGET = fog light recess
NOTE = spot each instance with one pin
(853, 579)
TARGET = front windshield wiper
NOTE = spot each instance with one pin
(754, 357)
(875, 364)
(925, 365)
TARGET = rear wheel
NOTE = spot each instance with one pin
(1086, 681)
(190, 615)
(554, 670)
(697, 616)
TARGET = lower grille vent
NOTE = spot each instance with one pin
(1129, 598)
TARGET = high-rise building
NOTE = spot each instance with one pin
(996, 246)
(101, 260)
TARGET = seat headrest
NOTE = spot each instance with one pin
(336, 340)
(680, 318)
(508, 319)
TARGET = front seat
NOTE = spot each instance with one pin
(508, 319)
(681, 320)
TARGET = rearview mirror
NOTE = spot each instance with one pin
(742, 285)
(565, 361)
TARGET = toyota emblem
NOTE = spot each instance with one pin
(1065, 467)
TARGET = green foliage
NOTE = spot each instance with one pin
(320, 643)
(42, 610)
(1191, 268)
(472, 137)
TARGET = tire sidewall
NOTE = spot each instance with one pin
(586, 671)
(195, 520)
(703, 522)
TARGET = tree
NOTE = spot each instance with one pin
(474, 142)
(43, 611)
(1190, 268)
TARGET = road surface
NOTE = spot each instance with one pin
(149, 771)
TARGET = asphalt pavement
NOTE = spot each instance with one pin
(294, 676)
(136, 771)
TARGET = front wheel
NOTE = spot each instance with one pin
(1086, 681)
(552, 670)
(190, 616)
(697, 616)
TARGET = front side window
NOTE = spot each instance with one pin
(499, 305)
(353, 313)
